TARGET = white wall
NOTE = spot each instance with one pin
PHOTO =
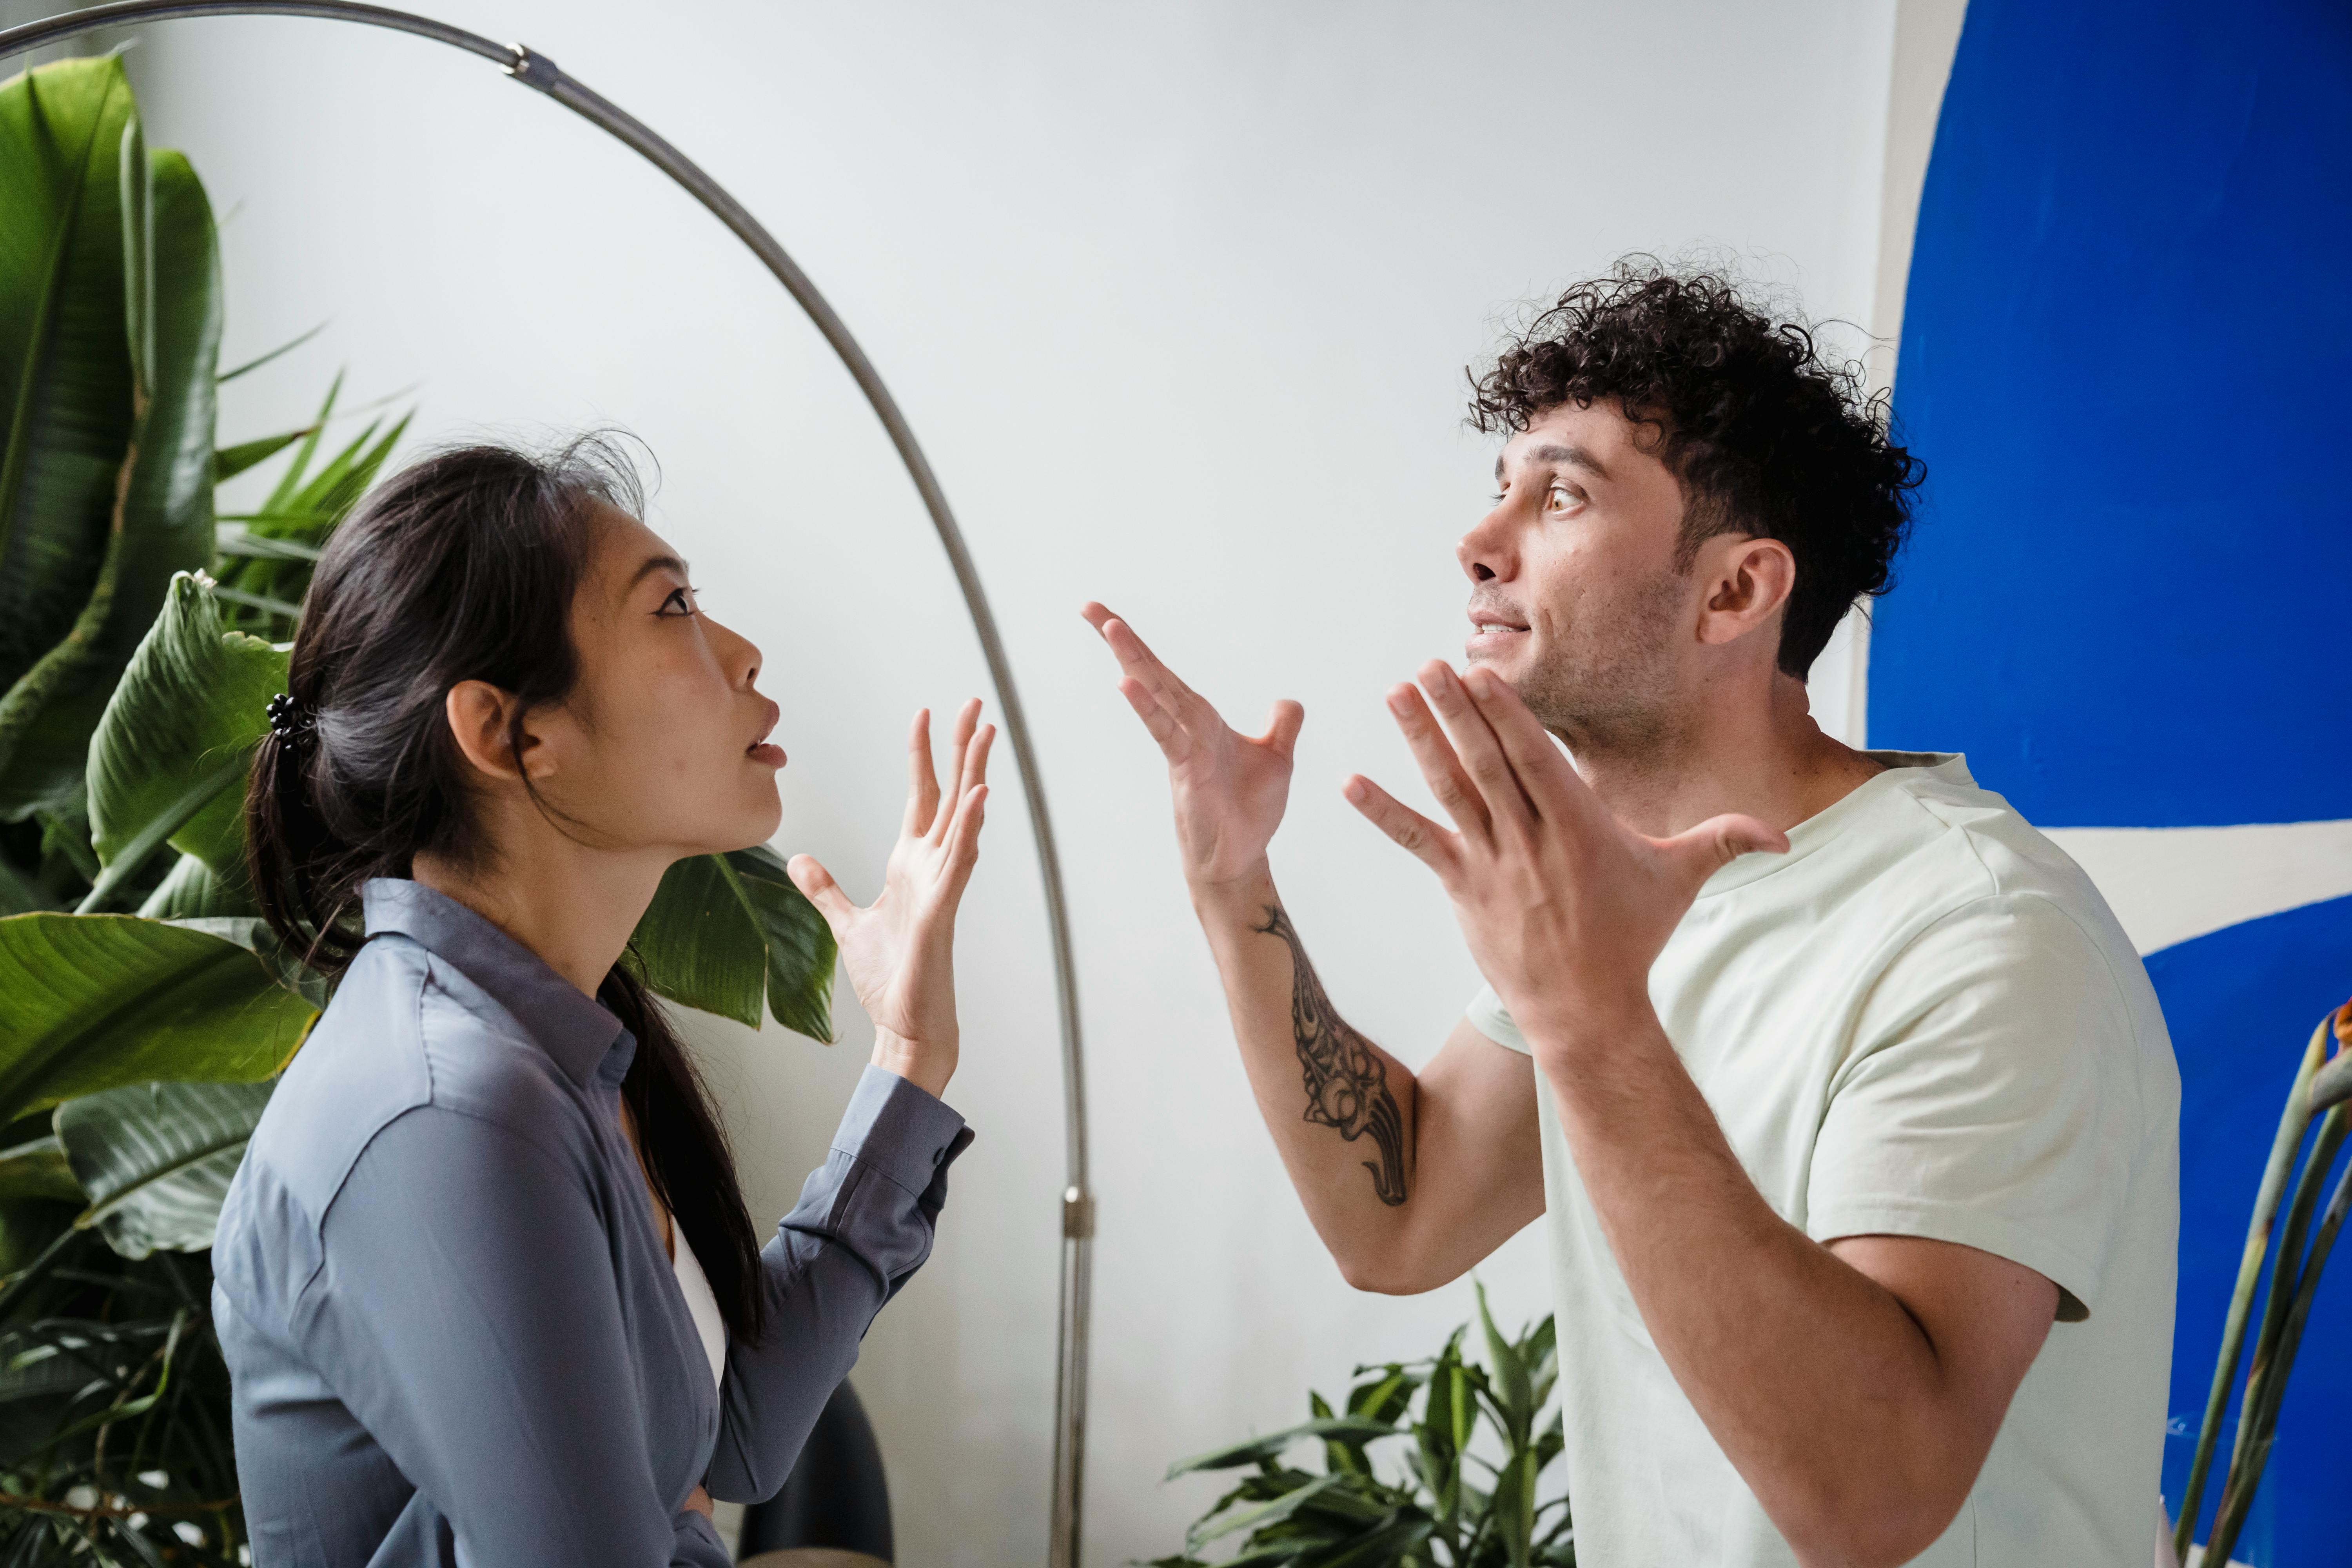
(1180, 300)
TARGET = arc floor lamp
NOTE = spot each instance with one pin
(536, 70)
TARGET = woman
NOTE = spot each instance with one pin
(485, 1284)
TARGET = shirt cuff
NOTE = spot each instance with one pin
(904, 1133)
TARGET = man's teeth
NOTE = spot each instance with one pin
(1495, 626)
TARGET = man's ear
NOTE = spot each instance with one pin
(1749, 581)
(479, 715)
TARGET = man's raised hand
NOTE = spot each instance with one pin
(1565, 907)
(1229, 788)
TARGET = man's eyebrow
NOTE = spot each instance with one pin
(658, 563)
(1574, 456)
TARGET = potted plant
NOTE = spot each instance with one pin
(1434, 1503)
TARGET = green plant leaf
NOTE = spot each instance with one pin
(230, 461)
(156, 1158)
(191, 890)
(1264, 1513)
(64, 364)
(729, 932)
(801, 949)
(1274, 1443)
(37, 1170)
(106, 490)
(100, 1001)
(1382, 1548)
(1511, 1388)
(191, 705)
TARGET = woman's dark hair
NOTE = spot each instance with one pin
(1766, 436)
(463, 567)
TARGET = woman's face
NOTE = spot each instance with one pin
(663, 744)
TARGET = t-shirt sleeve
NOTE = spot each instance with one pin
(1491, 1019)
(1991, 1099)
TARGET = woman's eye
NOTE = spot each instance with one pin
(680, 603)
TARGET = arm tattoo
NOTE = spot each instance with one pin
(1347, 1082)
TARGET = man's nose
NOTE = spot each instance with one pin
(1486, 551)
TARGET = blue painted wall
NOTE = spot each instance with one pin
(2126, 348)
(2126, 356)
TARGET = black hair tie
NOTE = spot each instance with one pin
(289, 720)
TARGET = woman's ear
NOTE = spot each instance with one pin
(479, 717)
(1749, 581)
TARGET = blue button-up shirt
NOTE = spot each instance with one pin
(454, 1332)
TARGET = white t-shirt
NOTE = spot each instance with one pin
(1921, 1021)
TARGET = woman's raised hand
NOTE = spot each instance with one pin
(899, 951)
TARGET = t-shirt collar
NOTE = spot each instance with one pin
(1825, 825)
(574, 1030)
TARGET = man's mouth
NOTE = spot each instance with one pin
(1491, 630)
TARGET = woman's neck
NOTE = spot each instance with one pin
(573, 906)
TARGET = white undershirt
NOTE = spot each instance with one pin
(701, 1304)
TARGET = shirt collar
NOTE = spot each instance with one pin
(1824, 825)
(573, 1029)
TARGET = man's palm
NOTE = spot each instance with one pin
(1230, 789)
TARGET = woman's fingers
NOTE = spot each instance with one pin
(1426, 842)
(922, 785)
(1438, 763)
(964, 842)
(1475, 743)
(816, 885)
(967, 720)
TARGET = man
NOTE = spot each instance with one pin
(1846, 1102)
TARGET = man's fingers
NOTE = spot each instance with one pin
(923, 785)
(1478, 746)
(1138, 661)
(1702, 851)
(1164, 729)
(1282, 727)
(816, 885)
(1426, 842)
(1546, 775)
(1438, 764)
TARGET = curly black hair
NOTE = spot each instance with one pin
(1766, 436)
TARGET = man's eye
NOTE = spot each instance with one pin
(1557, 498)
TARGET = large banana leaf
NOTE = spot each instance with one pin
(727, 931)
(106, 489)
(95, 1002)
(170, 755)
(37, 1170)
(157, 1159)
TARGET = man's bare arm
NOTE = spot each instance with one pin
(1857, 1387)
(1409, 1179)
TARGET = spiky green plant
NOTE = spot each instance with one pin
(1430, 1498)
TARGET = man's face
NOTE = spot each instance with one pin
(1576, 598)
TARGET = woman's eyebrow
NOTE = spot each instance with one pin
(658, 563)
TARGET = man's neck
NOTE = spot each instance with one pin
(1767, 760)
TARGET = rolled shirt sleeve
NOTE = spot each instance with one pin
(863, 1225)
